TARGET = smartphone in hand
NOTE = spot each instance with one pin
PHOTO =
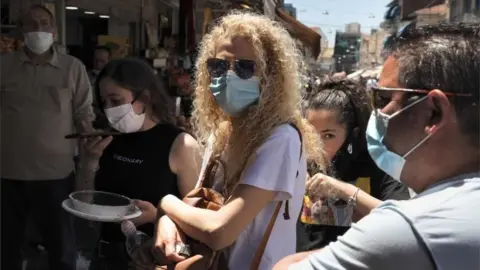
(84, 135)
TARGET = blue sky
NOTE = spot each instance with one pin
(341, 12)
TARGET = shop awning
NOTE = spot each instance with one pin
(305, 34)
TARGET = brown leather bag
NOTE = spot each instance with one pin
(204, 258)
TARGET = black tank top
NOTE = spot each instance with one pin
(136, 165)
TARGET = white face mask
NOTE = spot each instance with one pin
(124, 119)
(38, 42)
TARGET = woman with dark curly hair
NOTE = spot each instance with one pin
(352, 185)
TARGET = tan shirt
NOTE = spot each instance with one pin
(40, 104)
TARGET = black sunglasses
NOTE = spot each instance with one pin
(242, 67)
(381, 96)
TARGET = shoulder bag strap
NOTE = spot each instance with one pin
(208, 177)
(263, 244)
(205, 162)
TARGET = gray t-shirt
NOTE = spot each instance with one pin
(437, 229)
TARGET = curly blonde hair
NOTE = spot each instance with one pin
(279, 101)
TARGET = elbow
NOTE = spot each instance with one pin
(281, 265)
(217, 238)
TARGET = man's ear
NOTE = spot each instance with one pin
(441, 111)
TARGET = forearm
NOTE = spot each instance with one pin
(365, 202)
(85, 175)
(82, 117)
(287, 261)
(197, 223)
(82, 99)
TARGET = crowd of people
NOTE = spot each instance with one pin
(336, 158)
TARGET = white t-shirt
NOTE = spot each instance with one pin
(275, 169)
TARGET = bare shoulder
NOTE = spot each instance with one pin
(184, 140)
(184, 147)
(184, 144)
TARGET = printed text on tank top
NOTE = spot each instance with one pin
(127, 159)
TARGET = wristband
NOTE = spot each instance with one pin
(352, 201)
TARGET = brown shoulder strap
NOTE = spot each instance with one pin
(263, 244)
(286, 215)
(208, 174)
(208, 178)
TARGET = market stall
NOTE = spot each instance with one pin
(9, 44)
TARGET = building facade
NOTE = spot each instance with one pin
(326, 62)
(371, 49)
(346, 54)
(433, 15)
(408, 7)
(290, 9)
(401, 12)
(323, 41)
(464, 10)
(353, 28)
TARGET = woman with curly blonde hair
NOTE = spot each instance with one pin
(247, 113)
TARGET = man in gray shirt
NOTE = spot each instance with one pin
(425, 132)
(45, 95)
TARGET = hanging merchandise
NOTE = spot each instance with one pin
(186, 25)
(187, 63)
(8, 44)
(118, 45)
(207, 18)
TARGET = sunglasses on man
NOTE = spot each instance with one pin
(381, 96)
(242, 67)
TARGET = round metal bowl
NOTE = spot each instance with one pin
(100, 203)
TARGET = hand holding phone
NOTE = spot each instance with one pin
(92, 148)
(89, 135)
(92, 143)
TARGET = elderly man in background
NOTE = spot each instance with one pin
(101, 57)
(424, 132)
(45, 95)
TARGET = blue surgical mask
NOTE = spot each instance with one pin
(234, 94)
(386, 160)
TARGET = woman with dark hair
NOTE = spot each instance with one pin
(152, 157)
(339, 111)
